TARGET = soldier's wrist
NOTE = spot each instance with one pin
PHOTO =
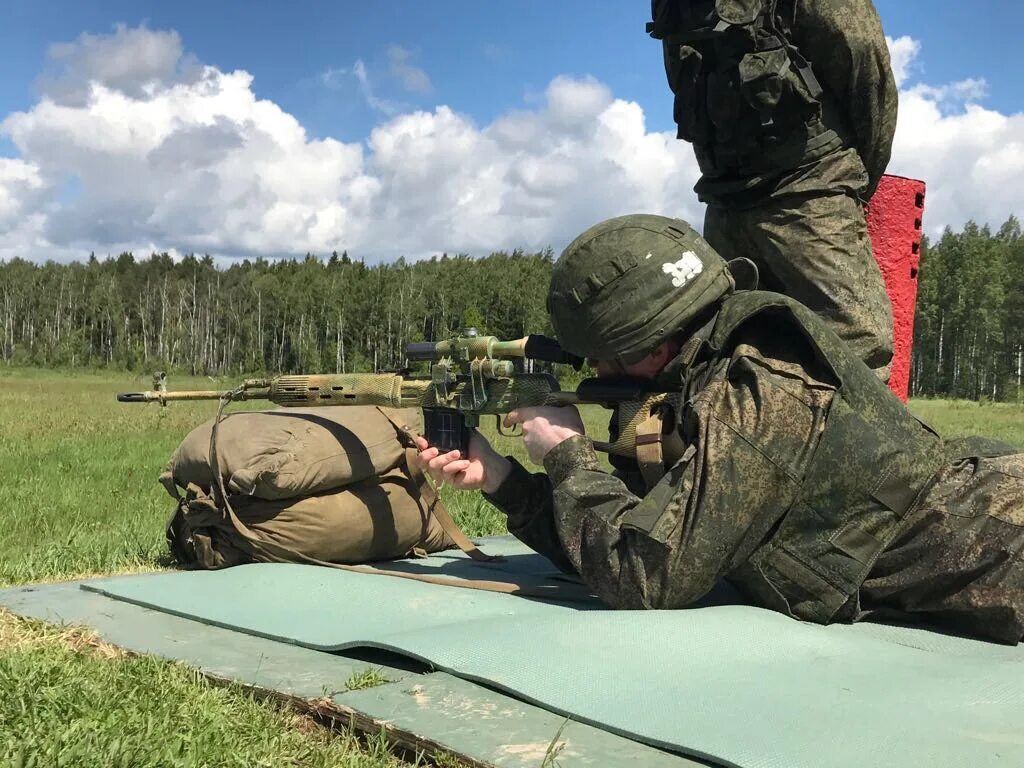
(496, 471)
(569, 456)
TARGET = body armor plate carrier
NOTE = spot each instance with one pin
(744, 95)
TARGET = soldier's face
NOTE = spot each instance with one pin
(647, 368)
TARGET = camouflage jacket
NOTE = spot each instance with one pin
(805, 484)
(669, 547)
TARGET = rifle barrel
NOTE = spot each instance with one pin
(152, 396)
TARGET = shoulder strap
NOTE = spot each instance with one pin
(803, 66)
(649, 454)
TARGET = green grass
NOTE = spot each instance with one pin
(79, 496)
(78, 487)
(69, 700)
(368, 678)
(956, 418)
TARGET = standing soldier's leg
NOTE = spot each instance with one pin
(815, 248)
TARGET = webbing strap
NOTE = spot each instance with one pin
(649, 455)
(803, 66)
(437, 508)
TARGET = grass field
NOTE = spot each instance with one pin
(79, 496)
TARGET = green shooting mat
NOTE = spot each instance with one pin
(726, 682)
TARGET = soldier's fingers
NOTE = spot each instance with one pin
(428, 453)
(511, 418)
(421, 443)
(439, 462)
(454, 467)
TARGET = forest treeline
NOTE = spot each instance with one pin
(969, 325)
(332, 315)
(341, 315)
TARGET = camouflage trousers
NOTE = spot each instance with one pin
(814, 248)
(959, 559)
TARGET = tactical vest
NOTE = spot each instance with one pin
(745, 97)
(872, 465)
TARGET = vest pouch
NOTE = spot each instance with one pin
(725, 111)
(761, 81)
(739, 12)
(677, 21)
(684, 66)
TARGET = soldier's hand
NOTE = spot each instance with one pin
(545, 427)
(483, 469)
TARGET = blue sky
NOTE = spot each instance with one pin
(481, 57)
(344, 68)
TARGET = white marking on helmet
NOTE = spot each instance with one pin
(684, 270)
(649, 254)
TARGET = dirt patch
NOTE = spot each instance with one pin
(18, 633)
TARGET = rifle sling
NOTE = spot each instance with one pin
(435, 506)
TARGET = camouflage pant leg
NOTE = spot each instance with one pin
(960, 560)
(815, 249)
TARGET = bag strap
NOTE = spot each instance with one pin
(436, 508)
(435, 505)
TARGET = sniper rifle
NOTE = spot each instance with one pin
(470, 376)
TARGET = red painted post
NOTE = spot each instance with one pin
(894, 223)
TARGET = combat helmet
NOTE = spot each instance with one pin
(629, 283)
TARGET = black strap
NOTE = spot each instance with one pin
(803, 66)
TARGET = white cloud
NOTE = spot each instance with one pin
(336, 79)
(20, 182)
(175, 155)
(189, 158)
(410, 76)
(133, 61)
(903, 53)
(193, 162)
(953, 95)
(970, 156)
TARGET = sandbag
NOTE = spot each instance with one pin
(376, 519)
(294, 452)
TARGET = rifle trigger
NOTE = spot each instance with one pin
(503, 433)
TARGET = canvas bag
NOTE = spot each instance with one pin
(293, 452)
(375, 519)
(292, 493)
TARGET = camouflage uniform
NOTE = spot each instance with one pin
(788, 151)
(804, 482)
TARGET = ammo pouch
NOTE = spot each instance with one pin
(744, 96)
